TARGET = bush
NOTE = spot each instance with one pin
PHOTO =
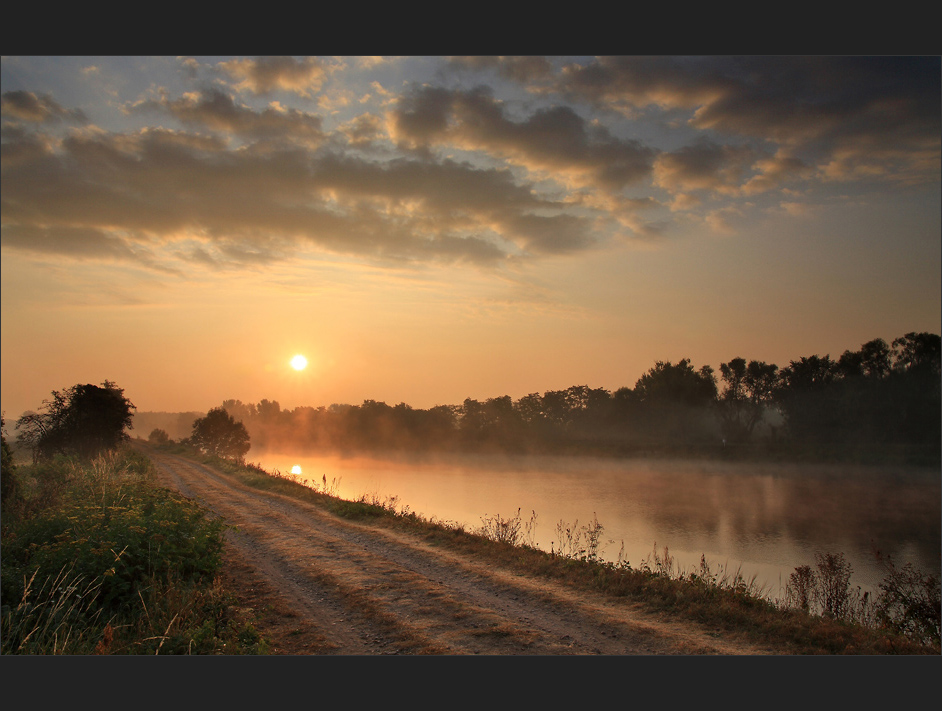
(97, 542)
(910, 602)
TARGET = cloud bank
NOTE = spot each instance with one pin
(485, 161)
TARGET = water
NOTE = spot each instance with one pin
(762, 520)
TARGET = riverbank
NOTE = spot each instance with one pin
(728, 606)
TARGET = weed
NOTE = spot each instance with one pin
(832, 584)
(660, 565)
(909, 602)
(501, 530)
(580, 543)
(800, 591)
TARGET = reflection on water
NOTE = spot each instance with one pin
(764, 519)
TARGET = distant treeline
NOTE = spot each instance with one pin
(880, 396)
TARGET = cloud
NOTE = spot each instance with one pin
(191, 196)
(265, 75)
(27, 106)
(363, 130)
(72, 241)
(775, 171)
(216, 111)
(704, 166)
(554, 141)
(522, 69)
(828, 111)
(486, 176)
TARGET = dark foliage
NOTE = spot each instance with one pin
(221, 435)
(84, 420)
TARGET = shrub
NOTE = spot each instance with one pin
(158, 437)
(513, 530)
(909, 602)
(106, 541)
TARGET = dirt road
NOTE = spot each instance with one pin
(318, 584)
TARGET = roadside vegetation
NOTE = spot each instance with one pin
(99, 559)
(821, 613)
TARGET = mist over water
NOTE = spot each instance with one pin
(763, 519)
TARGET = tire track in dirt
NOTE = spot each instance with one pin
(349, 588)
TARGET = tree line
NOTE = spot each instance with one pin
(881, 395)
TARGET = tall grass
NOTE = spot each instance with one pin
(55, 615)
(97, 558)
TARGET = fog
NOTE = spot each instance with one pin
(766, 517)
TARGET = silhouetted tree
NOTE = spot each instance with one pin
(674, 402)
(916, 387)
(219, 434)
(677, 384)
(802, 395)
(84, 420)
(920, 352)
(748, 389)
(879, 394)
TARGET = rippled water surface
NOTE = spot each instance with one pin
(761, 519)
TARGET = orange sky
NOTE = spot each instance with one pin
(429, 229)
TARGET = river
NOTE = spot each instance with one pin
(759, 519)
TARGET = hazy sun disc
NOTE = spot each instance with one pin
(299, 362)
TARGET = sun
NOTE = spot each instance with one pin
(299, 362)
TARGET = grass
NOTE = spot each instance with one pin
(828, 617)
(98, 559)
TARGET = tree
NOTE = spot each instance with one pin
(677, 384)
(674, 403)
(919, 352)
(749, 387)
(84, 420)
(158, 437)
(806, 398)
(221, 435)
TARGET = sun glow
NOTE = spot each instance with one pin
(299, 362)
(296, 469)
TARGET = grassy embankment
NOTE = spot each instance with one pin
(100, 559)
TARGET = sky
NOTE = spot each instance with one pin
(430, 229)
